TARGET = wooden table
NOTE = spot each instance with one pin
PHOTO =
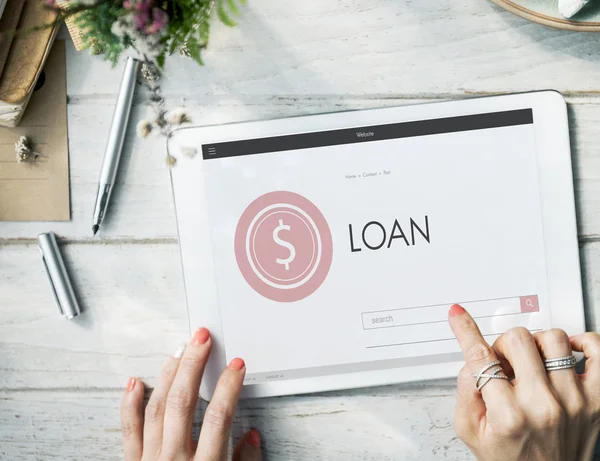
(61, 381)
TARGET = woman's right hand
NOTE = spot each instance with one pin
(164, 431)
(540, 415)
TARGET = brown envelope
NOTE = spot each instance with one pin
(39, 190)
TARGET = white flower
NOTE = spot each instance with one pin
(189, 151)
(24, 151)
(144, 128)
(171, 161)
(147, 46)
(178, 116)
(124, 26)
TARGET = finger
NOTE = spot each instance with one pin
(132, 420)
(216, 426)
(155, 410)
(589, 344)
(248, 447)
(519, 348)
(554, 344)
(470, 412)
(183, 395)
(497, 393)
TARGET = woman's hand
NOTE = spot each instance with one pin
(540, 415)
(164, 431)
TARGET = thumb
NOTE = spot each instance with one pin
(248, 447)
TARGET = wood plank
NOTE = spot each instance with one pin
(60, 381)
(135, 314)
(408, 422)
(142, 204)
(375, 47)
(397, 422)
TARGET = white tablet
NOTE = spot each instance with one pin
(326, 250)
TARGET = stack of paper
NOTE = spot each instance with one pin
(8, 23)
(25, 56)
(2, 5)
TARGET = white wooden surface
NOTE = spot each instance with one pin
(60, 381)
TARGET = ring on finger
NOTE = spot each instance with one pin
(482, 378)
(560, 363)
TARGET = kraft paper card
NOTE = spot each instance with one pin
(39, 190)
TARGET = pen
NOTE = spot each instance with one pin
(114, 145)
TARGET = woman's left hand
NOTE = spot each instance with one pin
(164, 431)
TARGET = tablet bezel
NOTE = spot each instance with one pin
(557, 204)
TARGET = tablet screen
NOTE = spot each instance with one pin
(341, 251)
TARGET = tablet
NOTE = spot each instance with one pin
(326, 250)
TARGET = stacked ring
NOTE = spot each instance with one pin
(487, 377)
(560, 363)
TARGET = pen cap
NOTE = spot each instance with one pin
(57, 274)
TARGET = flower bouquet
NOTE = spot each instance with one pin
(149, 31)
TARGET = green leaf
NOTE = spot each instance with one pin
(194, 50)
(233, 6)
(224, 15)
(160, 60)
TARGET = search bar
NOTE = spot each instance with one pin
(423, 315)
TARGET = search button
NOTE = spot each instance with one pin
(529, 304)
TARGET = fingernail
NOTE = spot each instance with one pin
(237, 364)
(200, 336)
(131, 384)
(179, 351)
(456, 310)
(254, 438)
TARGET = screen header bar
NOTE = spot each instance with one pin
(368, 134)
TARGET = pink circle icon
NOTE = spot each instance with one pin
(283, 246)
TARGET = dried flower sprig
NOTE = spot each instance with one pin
(162, 121)
(24, 150)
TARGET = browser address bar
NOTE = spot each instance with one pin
(422, 315)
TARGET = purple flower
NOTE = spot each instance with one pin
(142, 19)
(142, 6)
(160, 20)
(147, 18)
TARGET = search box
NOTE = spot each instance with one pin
(422, 315)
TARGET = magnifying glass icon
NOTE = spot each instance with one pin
(529, 303)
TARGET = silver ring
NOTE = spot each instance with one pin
(487, 377)
(560, 363)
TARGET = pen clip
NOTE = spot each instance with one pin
(60, 309)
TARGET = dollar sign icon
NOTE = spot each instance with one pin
(283, 246)
(286, 262)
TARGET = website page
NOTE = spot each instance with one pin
(342, 251)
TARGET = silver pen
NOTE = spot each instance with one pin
(116, 136)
